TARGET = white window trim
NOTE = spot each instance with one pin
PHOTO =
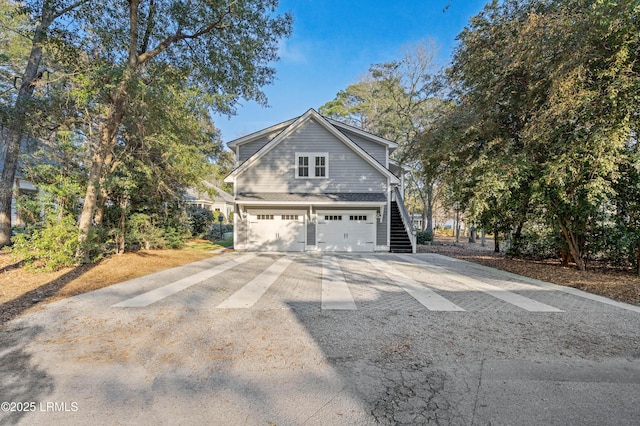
(312, 164)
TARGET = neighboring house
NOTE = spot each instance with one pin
(417, 221)
(20, 187)
(221, 202)
(315, 184)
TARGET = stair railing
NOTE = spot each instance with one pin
(406, 219)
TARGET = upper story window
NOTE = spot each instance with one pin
(312, 165)
(303, 166)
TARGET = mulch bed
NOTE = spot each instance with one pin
(616, 283)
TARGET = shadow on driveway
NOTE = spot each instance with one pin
(20, 381)
(13, 308)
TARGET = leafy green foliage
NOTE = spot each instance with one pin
(215, 52)
(424, 237)
(545, 100)
(200, 220)
(142, 232)
(224, 49)
(122, 115)
(536, 243)
(51, 247)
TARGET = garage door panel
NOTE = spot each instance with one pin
(273, 230)
(346, 231)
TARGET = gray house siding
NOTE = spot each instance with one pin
(246, 150)
(347, 172)
(376, 150)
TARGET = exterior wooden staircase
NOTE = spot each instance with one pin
(400, 240)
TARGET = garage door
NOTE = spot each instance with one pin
(346, 230)
(274, 230)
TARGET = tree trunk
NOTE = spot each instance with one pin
(496, 242)
(11, 153)
(105, 145)
(98, 216)
(107, 137)
(574, 248)
(120, 241)
(429, 209)
(517, 236)
(16, 128)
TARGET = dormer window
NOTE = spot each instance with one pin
(312, 165)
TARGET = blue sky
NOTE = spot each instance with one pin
(333, 44)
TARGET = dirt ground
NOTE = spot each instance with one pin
(22, 289)
(615, 283)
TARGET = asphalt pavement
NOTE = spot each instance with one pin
(307, 339)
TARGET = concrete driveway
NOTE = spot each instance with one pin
(288, 339)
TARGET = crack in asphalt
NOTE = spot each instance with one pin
(477, 393)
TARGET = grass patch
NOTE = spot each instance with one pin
(227, 242)
(202, 245)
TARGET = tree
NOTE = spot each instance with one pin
(169, 143)
(43, 17)
(364, 105)
(225, 47)
(395, 101)
(625, 238)
(552, 88)
(410, 86)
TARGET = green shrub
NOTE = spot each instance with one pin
(51, 247)
(175, 238)
(200, 220)
(537, 244)
(424, 237)
(615, 244)
(30, 209)
(142, 233)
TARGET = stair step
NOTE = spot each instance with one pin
(399, 238)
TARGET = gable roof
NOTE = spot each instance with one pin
(295, 124)
(221, 196)
(370, 136)
(256, 135)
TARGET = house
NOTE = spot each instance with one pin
(416, 218)
(221, 202)
(21, 187)
(315, 184)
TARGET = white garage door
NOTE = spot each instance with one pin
(275, 230)
(347, 230)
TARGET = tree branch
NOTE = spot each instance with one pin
(67, 9)
(150, 25)
(164, 45)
